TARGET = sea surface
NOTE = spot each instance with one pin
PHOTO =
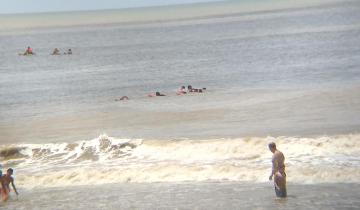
(273, 71)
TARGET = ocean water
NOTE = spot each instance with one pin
(286, 73)
(208, 195)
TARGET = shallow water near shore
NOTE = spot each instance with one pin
(206, 195)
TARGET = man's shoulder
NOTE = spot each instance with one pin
(278, 153)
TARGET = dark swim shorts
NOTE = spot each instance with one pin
(281, 193)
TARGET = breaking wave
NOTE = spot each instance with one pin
(110, 160)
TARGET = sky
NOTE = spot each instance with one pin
(31, 6)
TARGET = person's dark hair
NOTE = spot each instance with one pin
(272, 145)
(10, 170)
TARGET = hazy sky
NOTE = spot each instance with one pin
(26, 6)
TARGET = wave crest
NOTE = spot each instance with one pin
(110, 160)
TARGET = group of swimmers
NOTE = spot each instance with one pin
(5, 181)
(57, 52)
(29, 51)
(181, 91)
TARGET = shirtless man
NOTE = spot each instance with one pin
(6, 180)
(278, 171)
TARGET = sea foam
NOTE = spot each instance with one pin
(110, 160)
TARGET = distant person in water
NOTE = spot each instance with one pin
(56, 51)
(156, 94)
(181, 91)
(122, 98)
(195, 90)
(278, 171)
(159, 94)
(6, 180)
(69, 52)
(28, 51)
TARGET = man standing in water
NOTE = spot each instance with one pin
(278, 171)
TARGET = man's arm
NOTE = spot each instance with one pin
(274, 166)
(13, 186)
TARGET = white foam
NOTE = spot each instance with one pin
(111, 160)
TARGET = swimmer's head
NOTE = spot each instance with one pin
(272, 146)
(10, 171)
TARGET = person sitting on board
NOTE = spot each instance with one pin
(29, 51)
(56, 51)
(6, 180)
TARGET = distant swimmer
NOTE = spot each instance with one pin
(159, 94)
(6, 180)
(56, 52)
(195, 90)
(181, 91)
(278, 171)
(156, 94)
(28, 51)
(69, 52)
(122, 98)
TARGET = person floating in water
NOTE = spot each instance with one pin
(122, 98)
(69, 52)
(6, 180)
(181, 91)
(56, 51)
(156, 94)
(192, 90)
(28, 51)
(159, 94)
(278, 171)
